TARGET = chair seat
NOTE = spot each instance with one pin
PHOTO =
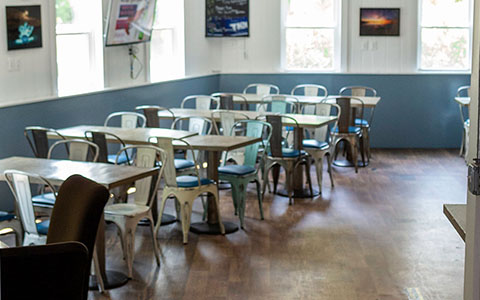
(42, 227)
(125, 209)
(239, 170)
(5, 216)
(47, 199)
(122, 158)
(181, 164)
(191, 181)
(351, 129)
(314, 144)
(287, 152)
(361, 122)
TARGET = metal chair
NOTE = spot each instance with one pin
(241, 175)
(262, 89)
(316, 90)
(362, 91)
(319, 142)
(19, 183)
(203, 102)
(287, 158)
(227, 120)
(78, 150)
(281, 104)
(185, 189)
(465, 119)
(345, 130)
(54, 271)
(151, 114)
(127, 215)
(37, 138)
(128, 119)
(100, 139)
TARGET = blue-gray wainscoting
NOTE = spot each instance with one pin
(416, 111)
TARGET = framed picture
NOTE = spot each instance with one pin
(24, 27)
(227, 18)
(379, 21)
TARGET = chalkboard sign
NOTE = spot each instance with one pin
(226, 18)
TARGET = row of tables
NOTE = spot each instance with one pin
(112, 176)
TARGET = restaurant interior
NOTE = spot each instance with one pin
(239, 149)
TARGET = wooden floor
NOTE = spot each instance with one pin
(379, 234)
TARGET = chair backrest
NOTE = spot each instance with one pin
(79, 150)
(281, 104)
(346, 118)
(200, 125)
(322, 109)
(19, 183)
(227, 100)
(55, 271)
(262, 88)
(100, 139)
(310, 90)
(256, 129)
(203, 102)
(461, 91)
(227, 119)
(151, 114)
(359, 91)
(147, 156)
(37, 138)
(128, 119)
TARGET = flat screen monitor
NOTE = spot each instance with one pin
(129, 22)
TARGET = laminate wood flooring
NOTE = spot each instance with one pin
(378, 235)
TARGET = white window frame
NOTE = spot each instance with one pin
(337, 43)
(419, 40)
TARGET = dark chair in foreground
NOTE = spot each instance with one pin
(77, 213)
(55, 271)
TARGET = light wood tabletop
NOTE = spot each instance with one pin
(128, 135)
(57, 171)
(465, 101)
(257, 98)
(457, 215)
(303, 121)
(216, 142)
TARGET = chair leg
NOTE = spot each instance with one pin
(128, 228)
(260, 198)
(354, 151)
(309, 178)
(234, 196)
(288, 184)
(162, 208)
(220, 223)
(362, 149)
(205, 207)
(241, 203)
(100, 283)
(185, 212)
(463, 142)
(265, 179)
(275, 176)
(329, 161)
(154, 240)
(319, 171)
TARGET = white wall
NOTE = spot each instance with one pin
(34, 77)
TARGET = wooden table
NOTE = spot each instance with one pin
(108, 175)
(302, 100)
(134, 136)
(457, 215)
(465, 101)
(303, 121)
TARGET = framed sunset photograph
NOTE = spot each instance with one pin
(379, 21)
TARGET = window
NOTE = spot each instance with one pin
(167, 54)
(445, 34)
(312, 35)
(79, 46)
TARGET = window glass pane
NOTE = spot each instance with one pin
(73, 74)
(451, 13)
(445, 49)
(311, 13)
(163, 62)
(309, 48)
(164, 18)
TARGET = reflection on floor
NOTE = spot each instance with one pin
(379, 234)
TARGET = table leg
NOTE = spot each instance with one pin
(211, 226)
(111, 279)
(298, 189)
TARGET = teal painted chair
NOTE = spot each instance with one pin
(240, 176)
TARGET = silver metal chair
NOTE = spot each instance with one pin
(204, 102)
(464, 91)
(315, 90)
(128, 119)
(262, 89)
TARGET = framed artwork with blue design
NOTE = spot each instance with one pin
(24, 27)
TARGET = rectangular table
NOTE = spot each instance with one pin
(256, 99)
(108, 175)
(134, 136)
(302, 122)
